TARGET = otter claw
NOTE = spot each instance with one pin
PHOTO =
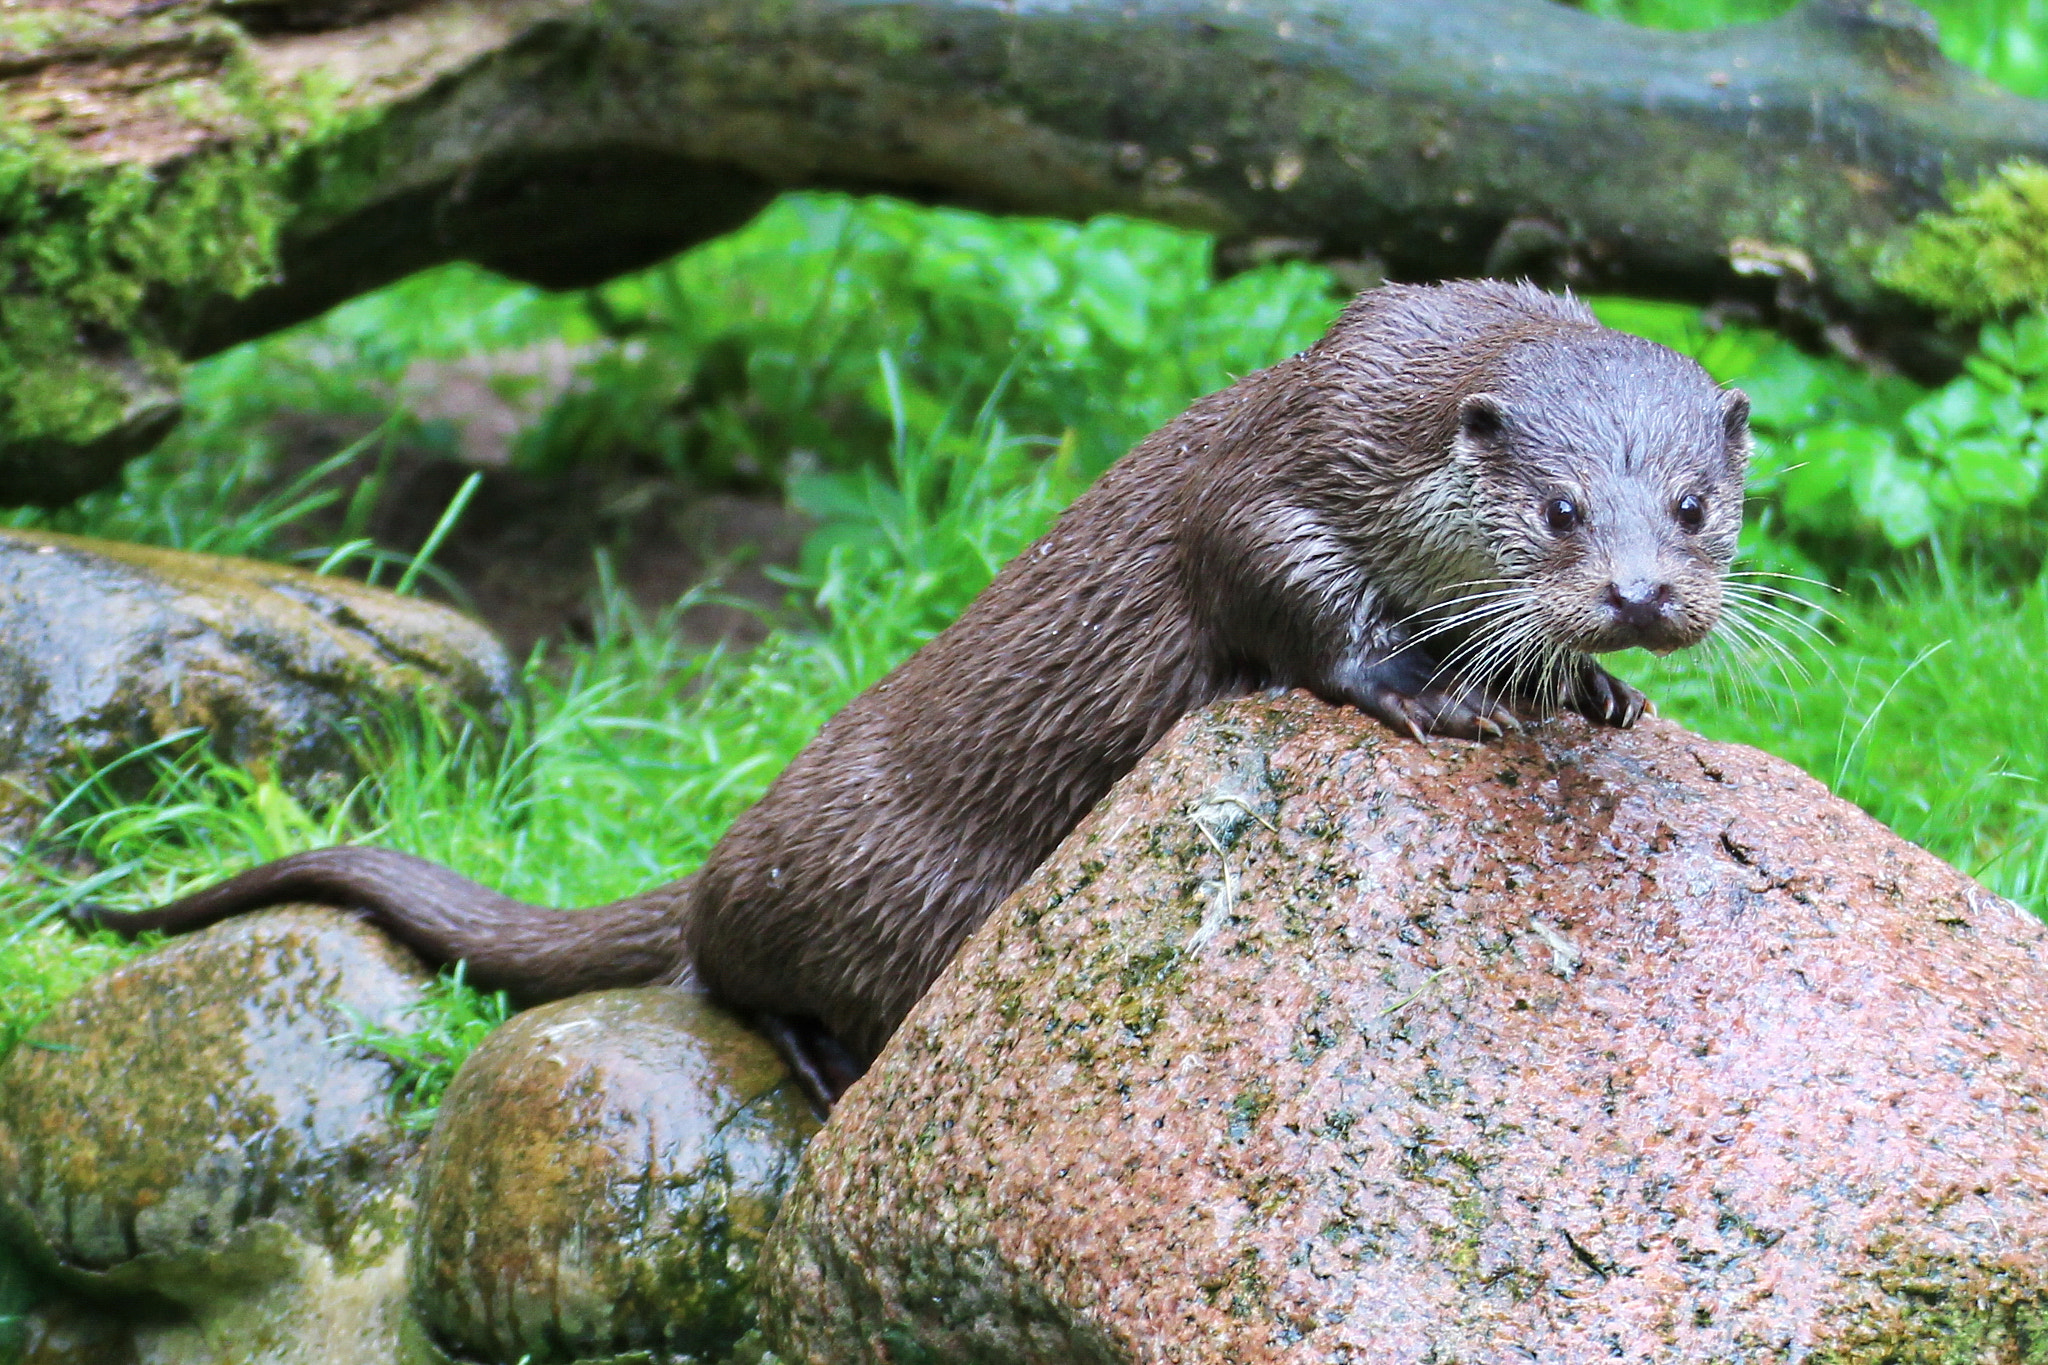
(1431, 712)
(1607, 700)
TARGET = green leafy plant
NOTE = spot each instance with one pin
(1964, 462)
(1106, 329)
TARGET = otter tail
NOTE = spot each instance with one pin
(528, 951)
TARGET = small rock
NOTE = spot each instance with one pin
(190, 1130)
(105, 647)
(600, 1181)
(1591, 1045)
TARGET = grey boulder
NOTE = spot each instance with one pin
(105, 647)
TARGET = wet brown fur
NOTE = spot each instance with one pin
(1293, 530)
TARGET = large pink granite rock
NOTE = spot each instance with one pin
(1313, 1044)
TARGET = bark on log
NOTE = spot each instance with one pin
(564, 141)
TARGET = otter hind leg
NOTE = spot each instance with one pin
(822, 1064)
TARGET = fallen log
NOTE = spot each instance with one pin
(192, 175)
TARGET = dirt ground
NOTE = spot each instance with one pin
(525, 552)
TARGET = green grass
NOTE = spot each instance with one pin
(449, 1022)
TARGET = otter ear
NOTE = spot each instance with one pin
(1735, 426)
(1735, 413)
(1482, 418)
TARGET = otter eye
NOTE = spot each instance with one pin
(1562, 514)
(1691, 511)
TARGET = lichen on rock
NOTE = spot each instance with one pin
(601, 1179)
(205, 1163)
(191, 1142)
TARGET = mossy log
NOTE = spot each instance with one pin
(178, 177)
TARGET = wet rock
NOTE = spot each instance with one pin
(1313, 1044)
(106, 646)
(191, 1138)
(600, 1181)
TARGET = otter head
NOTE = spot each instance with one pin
(1607, 477)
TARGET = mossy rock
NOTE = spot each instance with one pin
(603, 1174)
(105, 647)
(199, 1162)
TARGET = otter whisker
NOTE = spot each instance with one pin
(1795, 629)
(1805, 631)
(1551, 669)
(1521, 664)
(1493, 663)
(1709, 656)
(1552, 681)
(1474, 605)
(1772, 590)
(1741, 626)
(1462, 592)
(1466, 623)
(1745, 676)
(1738, 618)
(1730, 667)
(1450, 612)
(1465, 661)
(1455, 677)
(1481, 630)
(1528, 658)
(1467, 664)
(1796, 622)
(1788, 577)
(1768, 592)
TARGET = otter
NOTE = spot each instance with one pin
(1437, 514)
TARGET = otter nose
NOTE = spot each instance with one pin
(1639, 606)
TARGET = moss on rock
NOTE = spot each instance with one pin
(142, 169)
(1987, 254)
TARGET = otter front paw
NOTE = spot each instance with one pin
(1411, 693)
(1604, 699)
(1462, 712)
